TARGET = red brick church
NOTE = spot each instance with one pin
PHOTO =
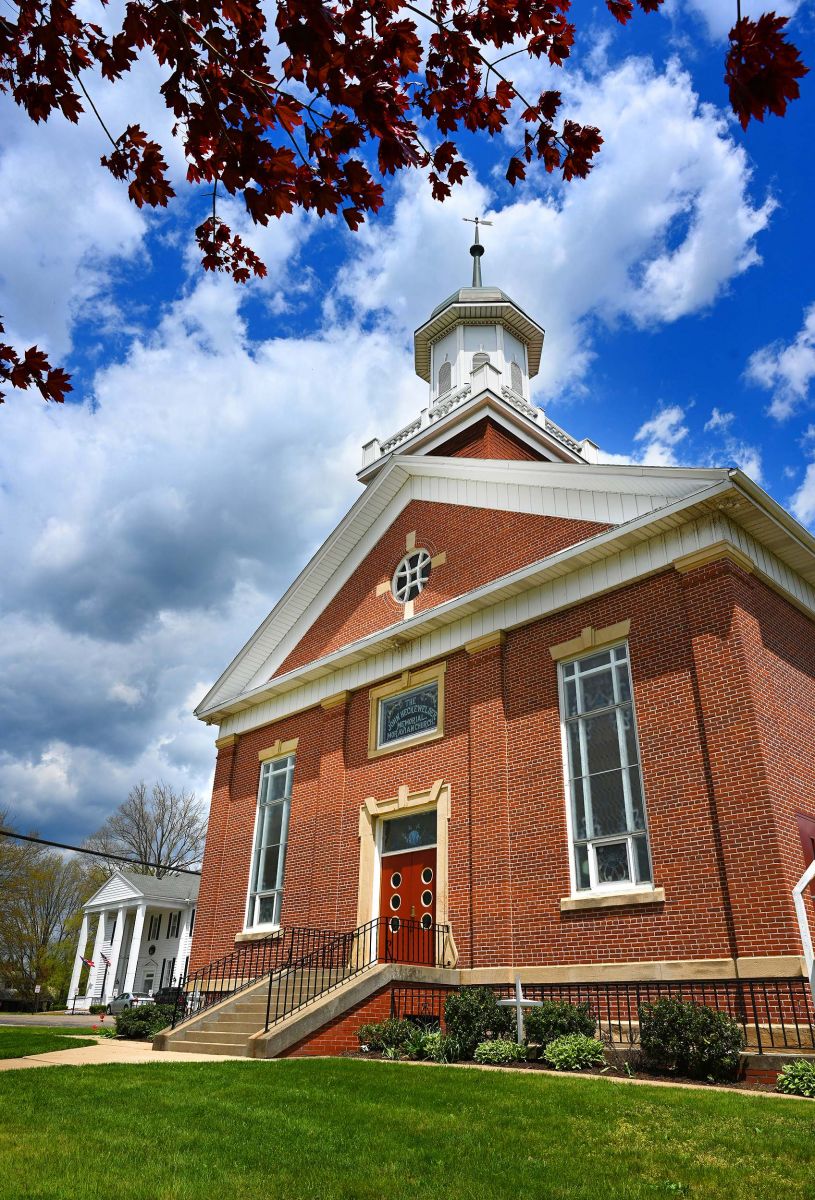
(522, 714)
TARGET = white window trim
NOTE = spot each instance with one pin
(267, 927)
(621, 887)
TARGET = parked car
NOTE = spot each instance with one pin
(128, 1000)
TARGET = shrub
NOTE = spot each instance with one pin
(442, 1048)
(691, 1039)
(143, 1022)
(798, 1078)
(573, 1052)
(473, 1015)
(96, 1010)
(499, 1051)
(555, 1019)
(391, 1034)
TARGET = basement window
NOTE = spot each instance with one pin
(606, 802)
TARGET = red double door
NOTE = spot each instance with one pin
(407, 907)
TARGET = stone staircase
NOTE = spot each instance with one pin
(229, 1027)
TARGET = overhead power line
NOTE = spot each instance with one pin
(133, 862)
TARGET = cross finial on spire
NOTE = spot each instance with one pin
(476, 249)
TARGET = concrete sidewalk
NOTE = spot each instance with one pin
(106, 1050)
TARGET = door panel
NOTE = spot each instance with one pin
(407, 906)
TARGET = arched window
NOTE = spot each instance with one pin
(516, 377)
(479, 359)
(445, 377)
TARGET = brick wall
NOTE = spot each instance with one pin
(485, 439)
(481, 544)
(340, 1035)
(724, 686)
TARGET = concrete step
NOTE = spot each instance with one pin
(219, 1035)
(208, 1048)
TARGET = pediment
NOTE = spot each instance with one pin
(593, 497)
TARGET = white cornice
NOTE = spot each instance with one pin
(424, 434)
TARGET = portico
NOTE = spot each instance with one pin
(142, 931)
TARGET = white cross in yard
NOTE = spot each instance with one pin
(519, 1004)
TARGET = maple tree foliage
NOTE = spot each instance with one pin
(357, 95)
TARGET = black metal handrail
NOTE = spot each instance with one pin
(350, 953)
(775, 1014)
(243, 966)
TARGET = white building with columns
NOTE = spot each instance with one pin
(142, 935)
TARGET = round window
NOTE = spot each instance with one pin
(394, 924)
(427, 921)
(427, 899)
(411, 576)
(396, 902)
(427, 875)
(396, 880)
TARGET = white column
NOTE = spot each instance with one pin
(135, 945)
(115, 951)
(98, 942)
(80, 950)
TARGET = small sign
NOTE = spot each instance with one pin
(37, 989)
(409, 714)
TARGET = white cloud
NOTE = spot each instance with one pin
(803, 501)
(661, 435)
(787, 370)
(665, 440)
(719, 420)
(660, 228)
(719, 16)
(189, 493)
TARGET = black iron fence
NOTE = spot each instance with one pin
(775, 1014)
(350, 954)
(245, 965)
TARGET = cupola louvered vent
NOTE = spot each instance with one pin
(445, 377)
(479, 359)
(516, 377)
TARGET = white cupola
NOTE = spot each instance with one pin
(478, 351)
(478, 337)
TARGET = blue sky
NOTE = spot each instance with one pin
(213, 437)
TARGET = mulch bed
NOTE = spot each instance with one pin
(640, 1074)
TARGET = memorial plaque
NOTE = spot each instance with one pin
(410, 714)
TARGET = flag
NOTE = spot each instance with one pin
(86, 961)
(106, 960)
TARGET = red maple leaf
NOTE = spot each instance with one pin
(762, 68)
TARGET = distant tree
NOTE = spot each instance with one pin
(11, 854)
(158, 826)
(354, 91)
(39, 918)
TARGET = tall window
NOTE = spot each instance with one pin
(173, 921)
(269, 861)
(607, 806)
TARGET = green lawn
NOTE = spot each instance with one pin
(17, 1041)
(320, 1130)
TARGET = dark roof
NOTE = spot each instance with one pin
(474, 295)
(170, 887)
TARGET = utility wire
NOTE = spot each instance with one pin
(133, 862)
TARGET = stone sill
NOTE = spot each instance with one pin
(613, 900)
(257, 935)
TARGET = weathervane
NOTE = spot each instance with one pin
(476, 249)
